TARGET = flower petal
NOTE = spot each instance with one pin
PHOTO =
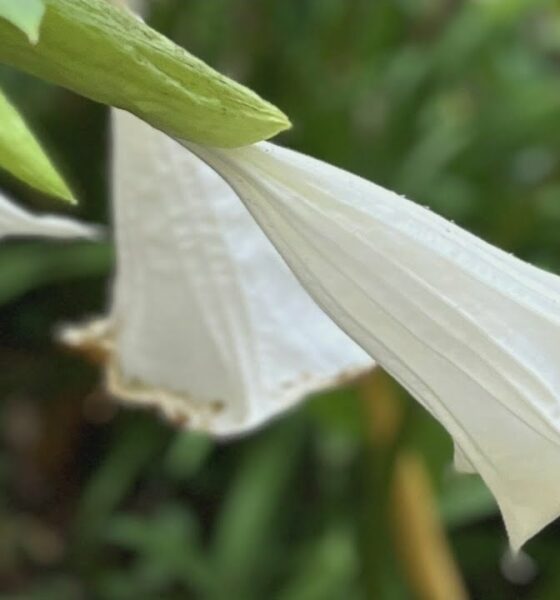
(472, 332)
(16, 222)
(208, 323)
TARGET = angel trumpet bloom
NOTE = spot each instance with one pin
(17, 222)
(208, 324)
(472, 332)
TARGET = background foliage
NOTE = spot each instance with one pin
(451, 102)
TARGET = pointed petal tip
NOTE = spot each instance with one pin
(461, 463)
(469, 330)
(523, 523)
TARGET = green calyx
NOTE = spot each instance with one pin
(107, 54)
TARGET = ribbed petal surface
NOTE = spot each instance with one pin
(208, 323)
(472, 332)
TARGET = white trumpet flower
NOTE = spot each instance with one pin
(17, 222)
(208, 324)
(472, 332)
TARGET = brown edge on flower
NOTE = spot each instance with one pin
(92, 340)
(95, 341)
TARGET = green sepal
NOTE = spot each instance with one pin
(22, 155)
(107, 54)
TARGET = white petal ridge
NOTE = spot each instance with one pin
(208, 324)
(472, 332)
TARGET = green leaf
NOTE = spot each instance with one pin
(109, 55)
(466, 499)
(187, 454)
(21, 154)
(326, 568)
(26, 267)
(26, 15)
(248, 522)
(114, 479)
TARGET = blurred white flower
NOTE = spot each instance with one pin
(472, 332)
(208, 324)
(17, 222)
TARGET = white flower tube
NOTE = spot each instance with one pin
(17, 222)
(472, 332)
(208, 324)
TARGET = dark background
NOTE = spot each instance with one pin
(453, 103)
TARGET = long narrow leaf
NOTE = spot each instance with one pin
(21, 154)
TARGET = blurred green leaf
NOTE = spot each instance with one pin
(338, 410)
(326, 570)
(465, 499)
(21, 154)
(51, 588)
(166, 550)
(187, 454)
(110, 56)
(26, 15)
(131, 452)
(252, 507)
(25, 267)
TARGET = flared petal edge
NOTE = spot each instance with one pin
(95, 339)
